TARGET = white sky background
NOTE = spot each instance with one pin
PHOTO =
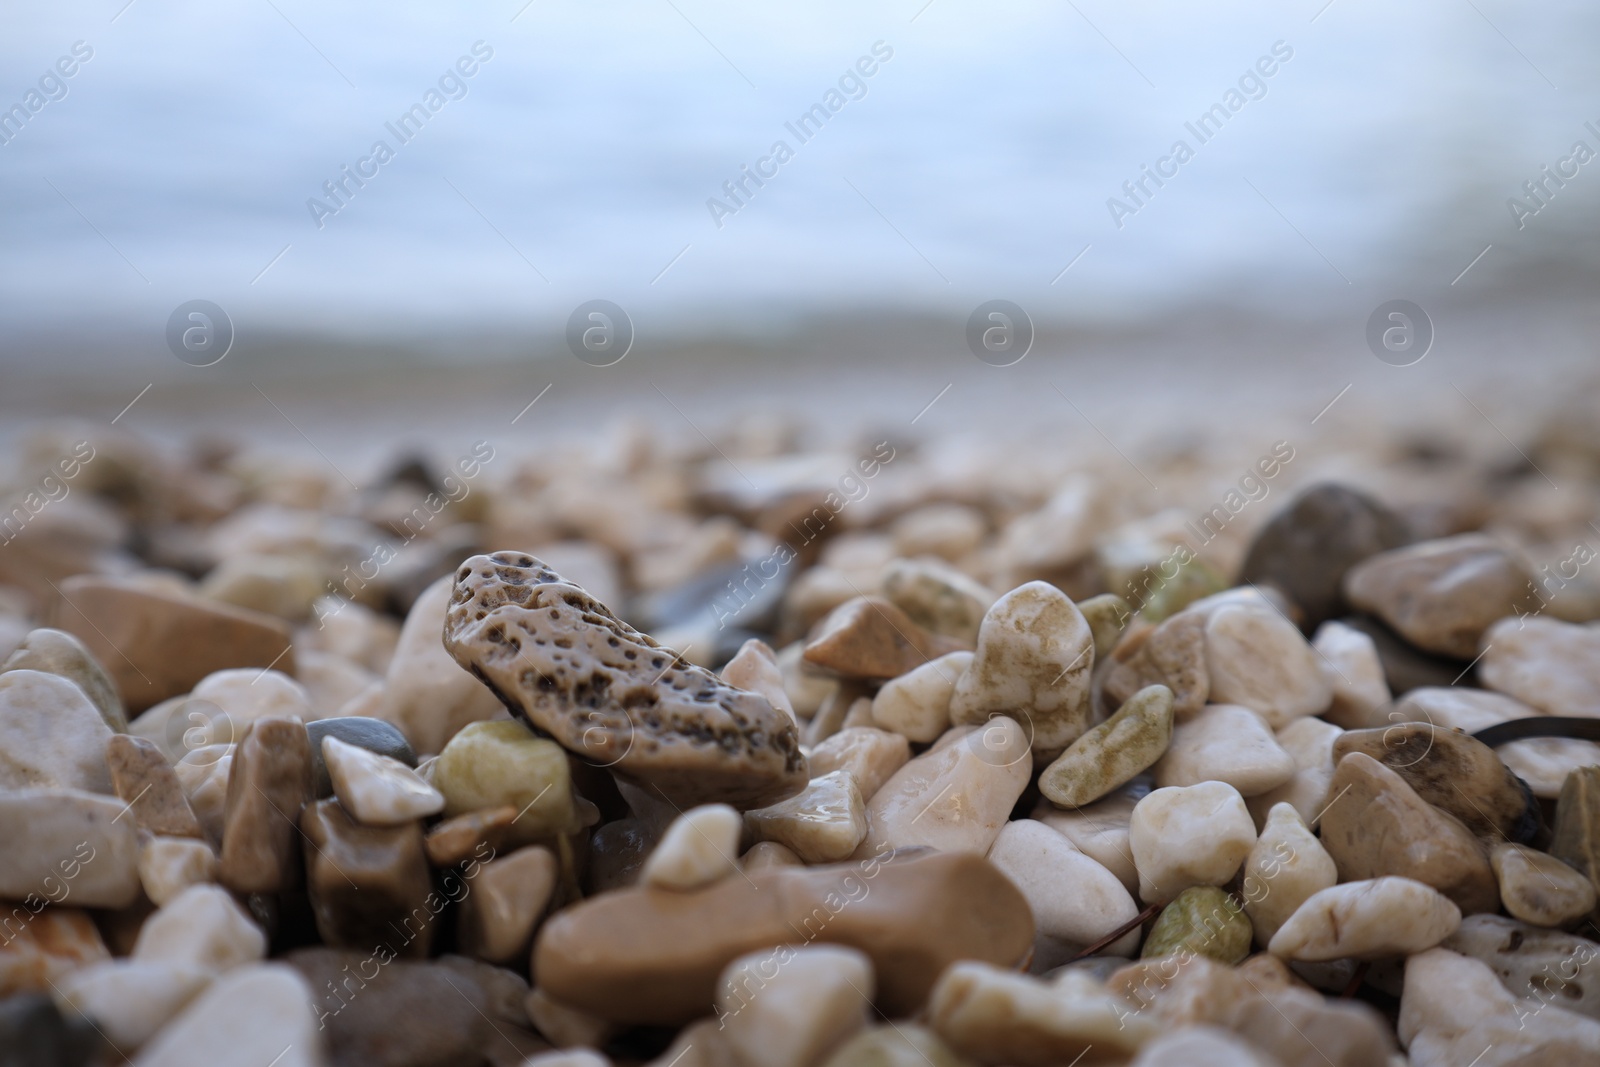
(593, 138)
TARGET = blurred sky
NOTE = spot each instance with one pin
(578, 164)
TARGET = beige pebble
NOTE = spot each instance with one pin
(1043, 864)
(58, 652)
(916, 705)
(46, 940)
(868, 754)
(201, 927)
(246, 694)
(1225, 743)
(427, 694)
(1538, 888)
(1100, 830)
(1182, 836)
(790, 1007)
(1551, 665)
(65, 844)
(1257, 658)
(331, 682)
(131, 1000)
(824, 823)
(246, 1018)
(378, 790)
(1200, 1046)
(51, 735)
(565, 1027)
(268, 784)
(1172, 654)
(1350, 664)
(572, 1057)
(169, 865)
(204, 775)
(754, 668)
(701, 846)
(895, 1044)
(508, 896)
(1368, 919)
(1309, 743)
(938, 596)
(144, 780)
(1286, 866)
(949, 531)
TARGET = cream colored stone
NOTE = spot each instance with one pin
(378, 790)
(67, 845)
(201, 927)
(1200, 1046)
(805, 687)
(870, 756)
(203, 774)
(572, 1057)
(949, 531)
(916, 705)
(255, 1015)
(1551, 665)
(1256, 658)
(565, 1027)
(894, 1044)
(823, 823)
(331, 681)
(508, 897)
(1100, 831)
(1538, 888)
(130, 1000)
(1286, 866)
(426, 693)
(1225, 743)
(353, 632)
(58, 652)
(1368, 920)
(791, 1007)
(169, 865)
(767, 854)
(755, 668)
(1309, 742)
(701, 846)
(51, 735)
(1350, 664)
(1188, 835)
(938, 597)
(1075, 901)
(246, 694)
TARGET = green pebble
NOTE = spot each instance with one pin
(489, 764)
(1112, 753)
(1195, 580)
(901, 1045)
(1203, 921)
(1107, 615)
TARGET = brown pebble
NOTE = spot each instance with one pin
(1173, 655)
(268, 785)
(872, 638)
(370, 885)
(475, 835)
(507, 898)
(146, 782)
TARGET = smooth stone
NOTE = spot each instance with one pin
(1309, 743)
(331, 682)
(1550, 665)
(1350, 664)
(1200, 1046)
(1368, 920)
(131, 1000)
(871, 638)
(37, 1034)
(577, 1057)
(916, 705)
(701, 846)
(284, 586)
(1182, 990)
(427, 693)
(268, 784)
(1225, 743)
(183, 725)
(1305, 1029)
(246, 1018)
(754, 668)
(1377, 825)
(948, 531)
(169, 865)
(493, 764)
(1406, 667)
(132, 631)
(51, 735)
(1285, 868)
(998, 1017)
(375, 789)
(374, 735)
(641, 955)
(848, 705)
(805, 686)
(894, 1045)
(245, 695)
(1442, 595)
(1256, 657)
(201, 927)
(1033, 663)
(791, 1007)
(1203, 921)
(1183, 836)
(567, 1028)
(1307, 546)
(1575, 835)
(764, 855)
(614, 696)
(822, 824)
(938, 597)
(1172, 654)
(204, 775)
(1108, 616)
(143, 779)
(369, 885)
(1100, 831)
(1113, 753)
(1541, 966)
(58, 652)
(44, 943)
(64, 837)
(478, 834)
(1042, 864)
(954, 797)
(509, 896)
(866, 753)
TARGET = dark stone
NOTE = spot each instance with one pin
(370, 886)
(33, 1033)
(374, 735)
(1406, 667)
(738, 594)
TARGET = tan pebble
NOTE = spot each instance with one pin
(58, 652)
(1451, 771)
(169, 865)
(764, 855)
(475, 835)
(1453, 1008)
(1100, 831)
(1540, 966)
(938, 596)
(755, 668)
(370, 885)
(946, 530)
(699, 847)
(1538, 888)
(426, 693)
(1107, 615)
(1368, 919)
(916, 705)
(505, 899)
(1225, 743)
(1186, 836)
(1040, 862)
(868, 754)
(1172, 654)
(564, 1027)
(63, 844)
(822, 824)
(378, 790)
(245, 695)
(871, 638)
(270, 781)
(142, 778)
(791, 1007)
(1546, 663)
(1309, 742)
(201, 927)
(1286, 865)
(1256, 657)
(45, 943)
(51, 735)
(1349, 662)
(332, 681)
(204, 775)
(243, 1020)
(805, 686)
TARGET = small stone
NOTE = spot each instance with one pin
(895, 1045)
(1551, 665)
(1257, 658)
(201, 927)
(1225, 743)
(131, 1000)
(1185, 836)
(478, 834)
(331, 682)
(369, 885)
(791, 1007)
(44, 943)
(285, 586)
(1575, 836)
(270, 781)
(869, 755)
(1173, 654)
(1107, 615)
(938, 597)
(1200, 1046)
(949, 531)
(509, 895)
(427, 693)
(1377, 825)
(754, 668)
(1368, 920)
(1033, 663)
(567, 1028)
(1542, 967)
(246, 695)
(51, 735)
(823, 824)
(375, 789)
(764, 855)
(204, 775)
(1100, 831)
(871, 638)
(492, 764)
(1350, 664)
(1113, 753)
(1442, 595)
(246, 1018)
(699, 847)
(146, 782)
(64, 844)
(1285, 868)
(169, 865)
(1180, 990)
(916, 705)
(954, 797)
(1202, 921)
(1041, 863)
(35, 1032)
(1309, 743)
(58, 652)
(374, 735)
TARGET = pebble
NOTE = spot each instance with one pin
(131, 1000)
(1225, 743)
(169, 865)
(949, 531)
(1033, 663)
(894, 1045)
(938, 597)
(824, 823)
(426, 692)
(132, 630)
(1442, 595)
(371, 885)
(1354, 673)
(1309, 743)
(1182, 836)
(1108, 616)
(755, 668)
(1042, 864)
(332, 682)
(475, 834)
(37, 1034)
(494, 764)
(578, 1057)
(1406, 667)
(201, 927)
(1550, 665)
(565, 1027)
(701, 846)
(1575, 835)
(639, 955)
(58, 652)
(1113, 753)
(1200, 1046)
(284, 586)
(51, 735)
(509, 895)
(268, 783)
(143, 779)
(1368, 919)
(44, 943)
(247, 1017)
(1256, 657)
(791, 1007)
(374, 735)
(1100, 831)
(204, 775)
(867, 754)
(63, 841)
(1173, 654)
(956, 796)
(870, 637)
(1377, 825)
(701, 741)
(916, 705)
(245, 695)
(764, 855)
(378, 790)
(1536, 965)
(1301, 1027)
(1285, 868)
(1202, 921)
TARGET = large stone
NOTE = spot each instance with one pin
(1173, 654)
(611, 694)
(1042, 863)
(369, 885)
(41, 944)
(202, 927)
(1540, 966)
(245, 1019)
(1111, 754)
(428, 694)
(270, 781)
(374, 735)
(643, 955)
(822, 823)
(1286, 866)
(1551, 665)
(1224, 743)
(1373, 919)
(870, 638)
(1256, 658)
(790, 1007)
(146, 782)
(51, 735)
(58, 652)
(1184, 836)
(63, 844)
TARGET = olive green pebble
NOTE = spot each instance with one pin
(1203, 921)
(1107, 615)
(900, 1045)
(489, 764)
(1112, 753)
(1196, 579)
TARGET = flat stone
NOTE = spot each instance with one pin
(201, 927)
(1285, 868)
(169, 865)
(477, 834)
(1551, 665)
(642, 955)
(871, 638)
(790, 1007)
(374, 735)
(1442, 595)
(1309, 743)
(897, 1045)
(494, 764)
(44, 943)
(1575, 835)
(378, 790)
(701, 846)
(1033, 664)
(1113, 753)
(369, 885)
(823, 823)
(1225, 743)
(245, 695)
(938, 597)
(1185, 836)
(1202, 921)
(1542, 967)
(58, 652)
(131, 1000)
(1173, 654)
(867, 754)
(268, 784)
(144, 780)
(35, 1031)
(1354, 672)
(1256, 657)
(614, 696)
(132, 631)
(1377, 825)
(1040, 862)
(247, 1017)
(51, 735)
(509, 896)
(755, 668)
(1370, 919)
(65, 844)
(1100, 831)
(427, 692)
(916, 705)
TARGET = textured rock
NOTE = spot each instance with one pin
(58, 652)
(1286, 866)
(790, 1007)
(143, 779)
(699, 847)
(1442, 595)
(1203, 921)
(374, 735)
(270, 781)
(916, 705)
(477, 834)
(645, 956)
(615, 696)
(495, 764)
(1173, 654)
(938, 597)
(1367, 920)
(427, 693)
(63, 844)
(1100, 831)
(1107, 615)
(370, 885)
(1225, 743)
(507, 899)
(245, 1019)
(867, 754)
(1575, 836)
(1042, 863)
(821, 824)
(1309, 743)
(1538, 966)
(1185, 836)
(1256, 657)
(375, 789)
(870, 638)
(130, 1000)
(1551, 665)
(1108, 756)
(51, 735)
(201, 927)
(1350, 664)
(169, 865)
(43, 944)
(754, 668)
